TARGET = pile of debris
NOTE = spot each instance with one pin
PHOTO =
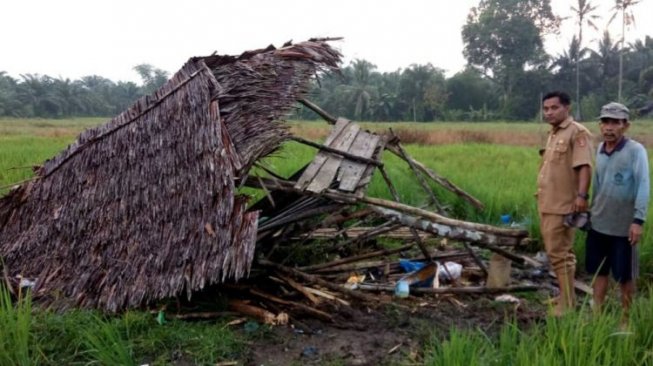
(145, 207)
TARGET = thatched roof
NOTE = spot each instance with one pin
(260, 87)
(144, 207)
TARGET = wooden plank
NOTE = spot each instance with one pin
(352, 171)
(324, 177)
(321, 157)
(369, 170)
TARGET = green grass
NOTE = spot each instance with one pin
(579, 338)
(501, 176)
(15, 330)
(39, 337)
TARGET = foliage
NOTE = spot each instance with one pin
(507, 72)
(579, 338)
(15, 329)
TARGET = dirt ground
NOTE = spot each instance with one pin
(395, 331)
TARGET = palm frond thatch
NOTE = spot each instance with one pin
(260, 87)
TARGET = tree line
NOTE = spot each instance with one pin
(507, 71)
(44, 96)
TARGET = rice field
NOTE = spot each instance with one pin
(495, 162)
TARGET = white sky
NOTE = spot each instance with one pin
(74, 38)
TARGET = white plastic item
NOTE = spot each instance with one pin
(450, 271)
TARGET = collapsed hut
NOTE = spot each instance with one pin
(145, 207)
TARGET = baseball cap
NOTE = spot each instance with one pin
(614, 110)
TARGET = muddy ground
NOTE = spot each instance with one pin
(396, 331)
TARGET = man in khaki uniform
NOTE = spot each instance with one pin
(562, 188)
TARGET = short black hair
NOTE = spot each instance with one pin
(564, 98)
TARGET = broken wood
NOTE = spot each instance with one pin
(450, 290)
(312, 311)
(336, 151)
(395, 195)
(476, 258)
(371, 234)
(321, 112)
(327, 295)
(355, 258)
(418, 175)
(201, 315)
(438, 179)
(355, 231)
(261, 314)
(314, 279)
(450, 231)
(292, 283)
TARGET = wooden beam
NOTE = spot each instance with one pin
(336, 151)
(450, 290)
(314, 279)
(438, 179)
(356, 258)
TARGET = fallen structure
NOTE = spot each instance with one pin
(146, 208)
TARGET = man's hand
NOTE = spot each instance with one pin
(580, 205)
(635, 233)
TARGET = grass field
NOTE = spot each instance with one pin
(495, 162)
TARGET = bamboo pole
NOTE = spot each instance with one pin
(314, 279)
(336, 151)
(419, 176)
(450, 290)
(438, 179)
(356, 258)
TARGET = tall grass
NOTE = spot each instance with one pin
(15, 330)
(579, 338)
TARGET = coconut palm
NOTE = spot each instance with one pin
(584, 14)
(627, 18)
(361, 88)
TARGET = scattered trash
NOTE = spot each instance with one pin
(353, 281)
(251, 326)
(402, 289)
(25, 282)
(541, 257)
(161, 317)
(310, 352)
(507, 298)
(450, 271)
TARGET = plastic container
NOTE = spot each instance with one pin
(402, 289)
(450, 268)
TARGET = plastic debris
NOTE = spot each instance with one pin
(402, 289)
(507, 298)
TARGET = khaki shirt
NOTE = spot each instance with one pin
(568, 147)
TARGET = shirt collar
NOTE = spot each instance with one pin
(562, 125)
(620, 145)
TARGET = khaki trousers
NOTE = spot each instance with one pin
(558, 242)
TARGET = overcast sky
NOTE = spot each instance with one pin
(74, 38)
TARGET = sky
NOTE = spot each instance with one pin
(75, 38)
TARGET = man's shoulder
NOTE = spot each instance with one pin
(636, 146)
(580, 128)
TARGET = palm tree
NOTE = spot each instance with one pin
(360, 88)
(584, 15)
(627, 18)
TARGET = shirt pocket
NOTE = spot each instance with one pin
(622, 178)
(560, 152)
